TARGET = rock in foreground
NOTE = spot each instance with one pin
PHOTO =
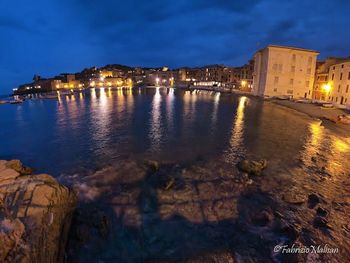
(35, 215)
(252, 167)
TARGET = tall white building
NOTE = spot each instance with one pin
(280, 71)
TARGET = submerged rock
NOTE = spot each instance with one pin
(321, 222)
(313, 200)
(34, 217)
(263, 218)
(321, 212)
(252, 167)
(153, 165)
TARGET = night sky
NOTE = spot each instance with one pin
(52, 36)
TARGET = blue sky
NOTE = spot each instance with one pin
(48, 37)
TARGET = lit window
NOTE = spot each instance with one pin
(341, 76)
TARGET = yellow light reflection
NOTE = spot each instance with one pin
(236, 141)
(155, 131)
(340, 145)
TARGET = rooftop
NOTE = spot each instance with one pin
(288, 47)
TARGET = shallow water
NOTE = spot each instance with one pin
(97, 141)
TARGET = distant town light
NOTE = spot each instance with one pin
(15, 89)
(92, 84)
(243, 83)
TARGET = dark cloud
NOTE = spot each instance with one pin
(48, 37)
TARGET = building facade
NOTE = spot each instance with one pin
(284, 71)
(339, 83)
(321, 86)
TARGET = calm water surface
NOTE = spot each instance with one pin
(88, 131)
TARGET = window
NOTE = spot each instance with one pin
(275, 90)
(293, 69)
(276, 80)
(334, 67)
(342, 66)
(349, 75)
(274, 67)
(280, 67)
(290, 91)
(333, 76)
(336, 99)
(339, 88)
(309, 60)
(309, 71)
(291, 81)
(347, 88)
(294, 57)
(341, 76)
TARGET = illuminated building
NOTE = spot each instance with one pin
(284, 71)
(321, 86)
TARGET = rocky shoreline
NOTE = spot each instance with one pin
(35, 215)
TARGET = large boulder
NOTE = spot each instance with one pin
(35, 215)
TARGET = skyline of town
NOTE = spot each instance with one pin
(69, 36)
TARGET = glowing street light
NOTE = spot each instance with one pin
(326, 87)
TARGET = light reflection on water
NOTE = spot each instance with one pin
(91, 129)
(156, 127)
(236, 141)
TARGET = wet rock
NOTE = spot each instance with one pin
(102, 222)
(263, 218)
(322, 212)
(36, 213)
(291, 231)
(151, 164)
(169, 183)
(313, 200)
(294, 198)
(216, 257)
(321, 222)
(82, 233)
(252, 167)
(18, 167)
